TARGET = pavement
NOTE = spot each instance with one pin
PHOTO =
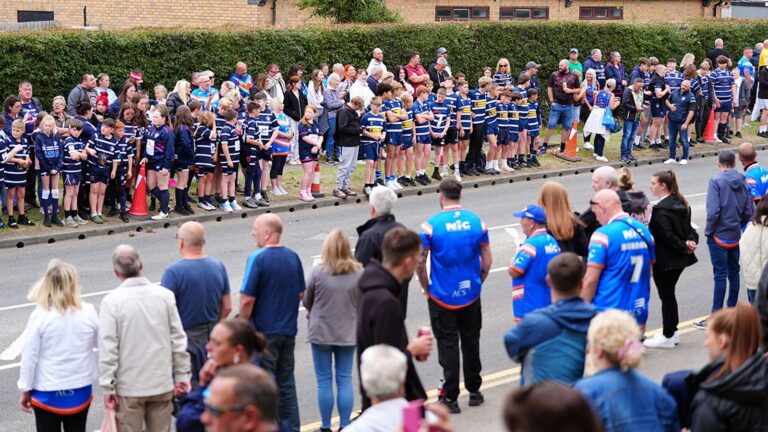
(305, 230)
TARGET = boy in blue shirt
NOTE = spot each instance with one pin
(533, 127)
(503, 122)
(423, 116)
(529, 267)
(513, 131)
(492, 129)
(463, 110)
(253, 149)
(394, 116)
(371, 138)
(408, 140)
(725, 88)
(438, 129)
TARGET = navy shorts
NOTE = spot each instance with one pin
(463, 134)
(406, 141)
(98, 176)
(72, 179)
(370, 151)
(658, 109)
(202, 171)
(513, 137)
(265, 155)
(725, 107)
(225, 170)
(438, 142)
(491, 129)
(452, 136)
(394, 138)
(503, 137)
(423, 139)
(181, 166)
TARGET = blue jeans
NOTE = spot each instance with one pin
(562, 114)
(674, 130)
(725, 266)
(280, 362)
(628, 137)
(323, 356)
(329, 150)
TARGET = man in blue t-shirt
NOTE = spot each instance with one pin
(621, 253)
(529, 266)
(755, 175)
(273, 287)
(457, 241)
(199, 283)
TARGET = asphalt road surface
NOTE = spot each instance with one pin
(305, 230)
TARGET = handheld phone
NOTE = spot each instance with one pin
(412, 415)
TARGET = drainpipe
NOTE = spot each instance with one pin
(274, 12)
(85, 16)
(717, 5)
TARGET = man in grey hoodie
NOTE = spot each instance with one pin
(729, 209)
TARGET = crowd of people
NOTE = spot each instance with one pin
(397, 124)
(580, 299)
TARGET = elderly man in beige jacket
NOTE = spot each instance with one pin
(143, 357)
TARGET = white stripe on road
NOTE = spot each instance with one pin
(13, 350)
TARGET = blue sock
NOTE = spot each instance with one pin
(165, 198)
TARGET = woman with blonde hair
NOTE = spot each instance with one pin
(331, 302)
(179, 96)
(588, 97)
(688, 59)
(58, 362)
(619, 394)
(562, 222)
(503, 75)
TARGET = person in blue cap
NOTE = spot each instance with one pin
(529, 266)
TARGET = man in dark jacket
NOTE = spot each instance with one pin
(378, 309)
(631, 109)
(347, 139)
(604, 177)
(371, 234)
(595, 61)
(729, 209)
(762, 304)
(614, 69)
(551, 342)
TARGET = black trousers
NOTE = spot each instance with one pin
(665, 281)
(474, 153)
(47, 421)
(454, 330)
(703, 109)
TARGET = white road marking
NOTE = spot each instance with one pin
(14, 350)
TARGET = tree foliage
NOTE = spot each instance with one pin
(351, 11)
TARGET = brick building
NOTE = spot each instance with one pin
(115, 14)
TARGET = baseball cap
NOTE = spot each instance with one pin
(534, 213)
(136, 75)
(442, 50)
(532, 64)
(573, 50)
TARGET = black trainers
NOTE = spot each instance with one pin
(421, 179)
(56, 221)
(24, 220)
(380, 182)
(738, 134)
(410, 181)
(112, 212)
(436, 174)
(476, 399)
(701, 325)
(12, 222)
(124, 217)
(452, 405)
(46, 221)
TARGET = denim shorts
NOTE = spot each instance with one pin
(560, 114)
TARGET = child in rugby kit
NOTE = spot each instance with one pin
(371, 139)
(725, 87)
(102, 166)
(50, 157)
(408, 140)
(74, 154)
(423, 117)
(184, 146)
(267, 124)
(124, 160)
(16, 174)
(310, 143)
(438, 128)
(463, 110)
(492, 129)
(229, 160)
(205, 159)
(392, 108)
(534, 127)
(253, 149)
(514, 108)
(503, 125)
(158, 156)
(479, 101)
(452, 136)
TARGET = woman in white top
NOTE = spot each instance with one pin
(360, 88)
(58, 362)
(315, 92)
(753, 255)
(102, 82)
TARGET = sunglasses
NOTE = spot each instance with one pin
(217, 411)
(503, 65)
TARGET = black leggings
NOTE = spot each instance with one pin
(278, 164)
(47, 421)
(665, 282)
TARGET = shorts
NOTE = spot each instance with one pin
(491, 129)
(658, 110)
(265, 155)
(577, 111)
(452, 136)
(98, 176)
(438, 142)
(738, 112)
(243, 158)
(305, 153)
(560, 114)
(423, 139)
(760, 104)
(513, 137)
(72, 179)
(155, 167)
(225, 170)
(463, 134)
(533, 133)
(406, 141)
(202, 171)
(725, 107)
(503, 137)
(179, 166)
(393, 138)
(370, 151)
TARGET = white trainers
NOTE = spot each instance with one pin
(670, 161)
(660, 341)
(683, 162)
(588, 146)
(226, 207)
(160, 216)
(392, 185)
(601, 158)
(234, 206)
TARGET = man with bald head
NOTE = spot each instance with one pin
(243, 80)
(756, 176)
(604, 177)
(377, 59)
(562, 85)
(273, 287)
(199, 283)
(619, 263)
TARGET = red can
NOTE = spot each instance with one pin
(424, 331)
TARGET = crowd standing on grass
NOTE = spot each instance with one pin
(397, 124)
(580, 284)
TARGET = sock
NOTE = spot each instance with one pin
(378, 174)
(637, 140)
(44, 202)
(165, 198)
(456, 166)
(231, 200)
(177, 195)
(55, 202)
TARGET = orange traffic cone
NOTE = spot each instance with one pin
(139, 203)
(709, 131)
(316, 182)
(570, 148)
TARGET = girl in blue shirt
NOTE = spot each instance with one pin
(50, 155)
(205, 160)
(16, 174)
(158, 156)
(281, 146)
(185, 157)
(74, 156)
(310, 140)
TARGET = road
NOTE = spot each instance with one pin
(304, 232)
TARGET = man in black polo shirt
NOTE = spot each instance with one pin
(561, 87)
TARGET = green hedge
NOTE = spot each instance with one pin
(54, 60)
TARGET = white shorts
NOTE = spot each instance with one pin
(760, 104)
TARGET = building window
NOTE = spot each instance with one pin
(511, 13)
(461, 13)
(33, 16)
(601, 13)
